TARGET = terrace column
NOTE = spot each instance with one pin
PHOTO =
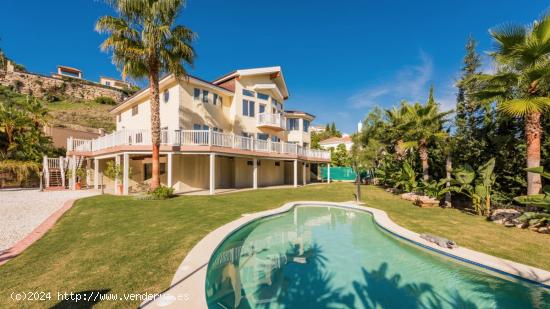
(62, 170)
(169, 169)
(295, 173)
(117, 163)
(88, 168)
(328, 172)
(212, 173)
(255, 173)
(304, 173)
(73, 174)
(96, 174)
(125, 173)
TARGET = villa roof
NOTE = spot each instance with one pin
(337, 140)
(275, 73)
(299, 113)
(66, 68)
(164, 80)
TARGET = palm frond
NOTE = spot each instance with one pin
(521, 107)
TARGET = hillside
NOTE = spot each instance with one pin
(68, 112)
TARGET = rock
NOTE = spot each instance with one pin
(534, 229)
(522, 225)
(509, 224)
(501, 216)
(409, 196)
(544, 230)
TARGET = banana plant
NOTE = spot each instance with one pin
(406, 178)
(435, 189)
(539, 200)
(476, 185)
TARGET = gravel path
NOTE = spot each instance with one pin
(21, 211)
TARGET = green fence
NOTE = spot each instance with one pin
(337, 173)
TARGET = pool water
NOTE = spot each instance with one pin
(330, 257)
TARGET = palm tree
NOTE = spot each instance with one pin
(396, 117)
(520, 85)
(423, 124)
(146, 43)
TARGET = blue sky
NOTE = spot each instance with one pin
(340, 58)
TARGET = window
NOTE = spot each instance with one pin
(205, 127)
(196, 94)
(246, 134)
(263, 136)
(248, 108)
(135, 110)
(263, 96)
(215, 100)
(262, 108)
(205, 96)
(292, 124)
(277, 163)
(215, 129)
(248, 93)
(166, 95)
(107, 83)
(148, 170)
(275, 139)
(197, 127)
(275, 102)
(306, 125)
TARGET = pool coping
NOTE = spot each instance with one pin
(187, 288)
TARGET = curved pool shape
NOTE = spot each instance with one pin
(330, 257)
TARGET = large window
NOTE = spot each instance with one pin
(292, 124)
(275, 139)
(306, 125)
(215, 100)
(196, 94)
(248, 93)
(166, 96)
(262, 96)
(262, 136)
(261, 108)
(248, 108)
(135, 110)
(205, 96)
(148, 170)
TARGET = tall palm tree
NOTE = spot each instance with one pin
(521, 84)
(396, 117)
(146, 43)
(424, 124)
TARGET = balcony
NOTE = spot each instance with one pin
(188, 139)
(271, 121)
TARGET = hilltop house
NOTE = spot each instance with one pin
(333, 142)
(232, 132)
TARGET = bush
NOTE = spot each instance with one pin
(105, 100)
(161, 193)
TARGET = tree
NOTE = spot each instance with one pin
(521, 84)
(340, 156)
(146, 42)
(423, 125)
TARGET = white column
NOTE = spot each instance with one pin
(73, 174)
(62, 170)
(255, 173)
(117, 163)
(96, 174)
(125, 174)
(304, 173)
(88, 176)
(295, 173)
(169, 170)
(212, 173)
(328, 172)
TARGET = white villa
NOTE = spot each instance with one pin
(230, 133)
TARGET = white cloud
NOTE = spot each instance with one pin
(409, 83)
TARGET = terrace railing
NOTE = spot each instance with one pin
(272, 120)
(192, 138)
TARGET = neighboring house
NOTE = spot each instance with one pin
(59, 134)
(317, 128)
(67, 72)
(228, 133)
(115, 83)
(333, 142)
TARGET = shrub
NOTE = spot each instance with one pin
(105, 100)
(161, 193)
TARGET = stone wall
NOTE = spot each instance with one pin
(44, 86)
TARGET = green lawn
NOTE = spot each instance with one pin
(127, 246)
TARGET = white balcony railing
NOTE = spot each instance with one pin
(192, 138)
(272, 120)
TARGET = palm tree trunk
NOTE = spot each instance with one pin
(423, 153)
(155, 127)
(533, 134)
(448, 169)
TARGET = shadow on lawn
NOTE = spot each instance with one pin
(81, 300)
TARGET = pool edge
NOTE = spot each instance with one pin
(188, 284)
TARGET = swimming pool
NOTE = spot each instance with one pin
(330, 257)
